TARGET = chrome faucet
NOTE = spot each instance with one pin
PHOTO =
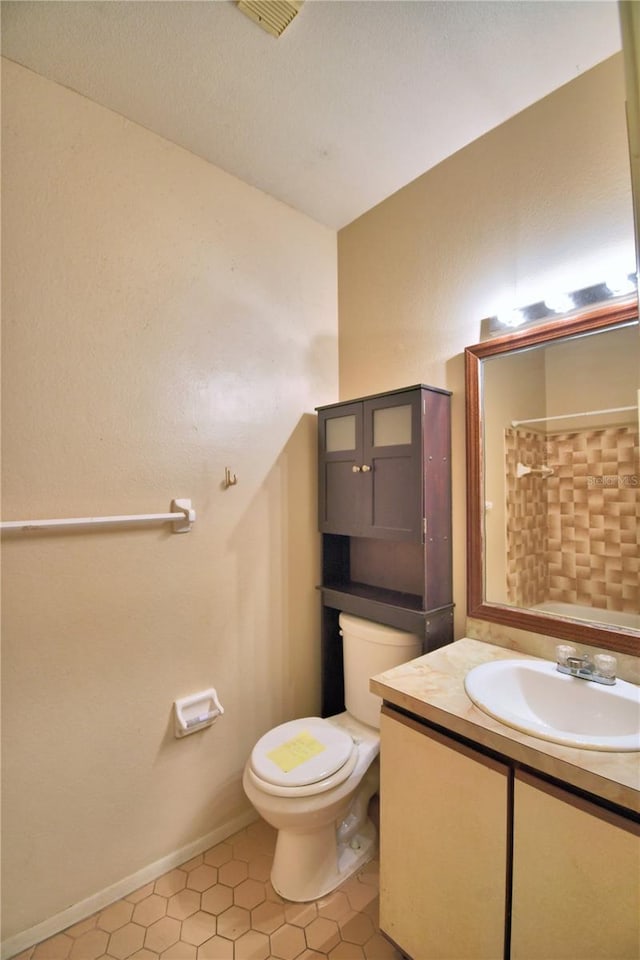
(602, 669)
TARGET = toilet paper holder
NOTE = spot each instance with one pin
(196, 712)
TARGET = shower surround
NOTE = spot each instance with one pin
(574, 536)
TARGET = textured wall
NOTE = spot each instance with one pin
(150, 338)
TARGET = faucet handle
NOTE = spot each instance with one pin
(563, 652)
(605, 665)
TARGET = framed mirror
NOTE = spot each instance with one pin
(553, 478)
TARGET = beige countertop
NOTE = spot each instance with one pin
(432, 687)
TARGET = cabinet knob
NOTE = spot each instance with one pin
(355, 469)
(365, 468)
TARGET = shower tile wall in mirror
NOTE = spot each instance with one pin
(572, 529)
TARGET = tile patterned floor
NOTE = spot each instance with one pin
(221, 906)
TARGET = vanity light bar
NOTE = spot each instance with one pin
(558, 306)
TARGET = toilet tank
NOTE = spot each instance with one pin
(369, 648)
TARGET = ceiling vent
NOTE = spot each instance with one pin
(274, 16)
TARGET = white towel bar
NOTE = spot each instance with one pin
(182, 517)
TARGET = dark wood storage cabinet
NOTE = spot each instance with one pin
(384, 512)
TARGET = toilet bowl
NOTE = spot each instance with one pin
(312, 779)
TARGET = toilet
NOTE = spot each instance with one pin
(312, 779)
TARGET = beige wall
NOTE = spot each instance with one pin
(544, 199)
(161, 320)
(604, 373)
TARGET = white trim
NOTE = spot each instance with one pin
(570, 416)
(86, 908)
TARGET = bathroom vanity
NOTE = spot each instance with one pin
(384, 512)
(495, 843)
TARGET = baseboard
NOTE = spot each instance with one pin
(86, 908)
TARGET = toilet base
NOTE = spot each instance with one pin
(307, 867)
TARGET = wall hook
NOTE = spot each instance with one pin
(230, 479)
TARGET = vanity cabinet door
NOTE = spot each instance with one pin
(576, 878)
(443, 845)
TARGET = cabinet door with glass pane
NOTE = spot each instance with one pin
(370, 457)
(340, 453)
(392, 450)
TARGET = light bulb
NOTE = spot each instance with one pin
(512, 318)
(620, 283)
(559, 302)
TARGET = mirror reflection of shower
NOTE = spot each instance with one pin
(562, 471)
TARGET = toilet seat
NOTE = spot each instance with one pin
(302, 753)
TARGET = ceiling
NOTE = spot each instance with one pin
(355, 99)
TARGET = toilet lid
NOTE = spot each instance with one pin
(301, 752)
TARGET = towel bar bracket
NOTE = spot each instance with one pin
(189, 514)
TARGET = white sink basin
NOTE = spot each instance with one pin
(532, 696)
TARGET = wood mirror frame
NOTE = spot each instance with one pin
(600, 635)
